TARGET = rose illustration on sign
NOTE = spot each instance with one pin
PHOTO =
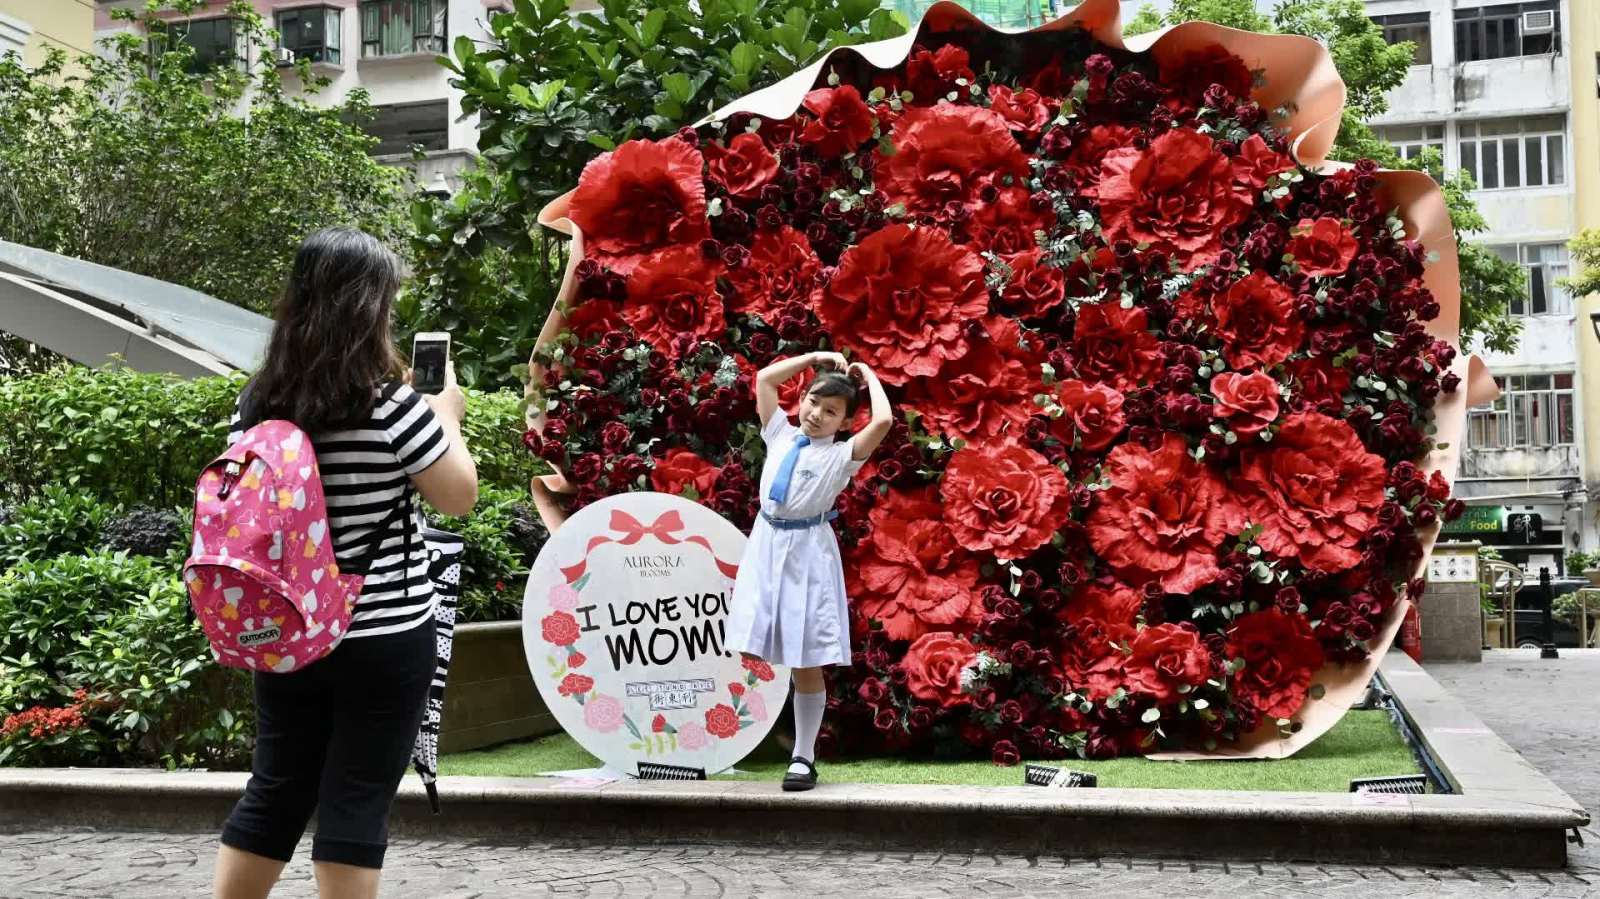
(635, 592)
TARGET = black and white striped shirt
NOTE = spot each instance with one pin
(364, 474)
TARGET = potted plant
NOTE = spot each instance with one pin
(1582, 564)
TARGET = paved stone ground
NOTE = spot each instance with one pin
(1549, 710)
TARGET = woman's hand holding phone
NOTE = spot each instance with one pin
(450, 402)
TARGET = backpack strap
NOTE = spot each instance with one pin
(402, 510)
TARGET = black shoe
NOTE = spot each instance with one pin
(797, 783)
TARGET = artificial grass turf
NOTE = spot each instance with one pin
(1362, 744)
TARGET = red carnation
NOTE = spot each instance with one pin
(574, 684)
(1004, 499)
(640, 197)
(758, 667)
(682, 469)
(843, 121)
(910, 573)
(1315, 491)
(658, 724)
(1164, 658)
(1322, 248)
(1088, 151)
(1163, 517)
(1248, 403)
(744, 167)
(722, 721)
(933, 667)
(1177, 195)
(559, 628)
(1115, 603)
(782, 269)
(1024, 111)
(1092, 661)
(1257, 163)
(1034, 288)
(931, 76)
(947, 154)
(1280, 654)
(674, 292)
(902, 299)
(591, 319)
(1007, 225)
(736, 689)
(1257, 322)
(985, 393)
(1091, 415)
(1114, 345)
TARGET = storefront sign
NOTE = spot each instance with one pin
(1478, 520)
(624, 624)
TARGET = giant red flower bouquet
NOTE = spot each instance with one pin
(1162, 388)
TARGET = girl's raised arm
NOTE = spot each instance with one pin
(882, 417)
(770, 378)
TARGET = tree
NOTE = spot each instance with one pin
(140, 160)
(1371, 68)
(552, 91)
(1585, 249)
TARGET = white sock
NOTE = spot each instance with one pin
(808, 709)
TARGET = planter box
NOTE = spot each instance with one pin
(491, 697)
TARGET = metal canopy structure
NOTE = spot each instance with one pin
(94, 314)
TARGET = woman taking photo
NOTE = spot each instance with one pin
(335, 737)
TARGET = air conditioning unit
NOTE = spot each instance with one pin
(285, 56)
(1541, 22)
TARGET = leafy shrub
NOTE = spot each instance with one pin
(493, 428)
(503, 537)
(55, 522)
(145, 531)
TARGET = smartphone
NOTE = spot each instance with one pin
(430, 353)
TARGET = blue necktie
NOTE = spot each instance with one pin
(780, 483)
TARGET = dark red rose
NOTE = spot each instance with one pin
(1163, 659)
(1163, 517)
(1197, 70)
(1319, 381)
(886, 720)
(681, 470)
(1024, 111)
(910, 573)
(1007, 224)
(1322, 248)
(872, 691)
(641, 197)
(843, 121)
(614, 437)
(587, 468)
(920, 717)
(1177, 196)
(1114, 345)
(947, 155)
(1315, 491)
(722, 721)
(673, 293)
(1034, 288)
(744, 167)
(1091, 415)
(902, 299)
(1257, 322)
(1005, 753)
(1004, 499)
(986, 393)
(1280, 656)
(782, 269)
(933, 668)
(1248, 403)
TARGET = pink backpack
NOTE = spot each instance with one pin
(262, 576)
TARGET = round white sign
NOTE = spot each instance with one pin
(624, 624)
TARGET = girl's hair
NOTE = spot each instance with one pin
(332, 341)
(834, 383)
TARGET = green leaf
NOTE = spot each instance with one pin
(1151, 715)
(678, 86)
(745, 58)
(654, 21)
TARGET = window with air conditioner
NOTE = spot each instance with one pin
(310, 33)
(1506, 30)
(1409, 27)
(401, 27)
(1513, 153)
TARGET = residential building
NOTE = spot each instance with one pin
(1585, 61)
(32, 28)
(1491, 89)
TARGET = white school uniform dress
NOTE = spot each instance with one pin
(789, 604)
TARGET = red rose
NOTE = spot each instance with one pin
(759, 668)
(1006, 226)
(1257, 322)
(1163, 517)
(933, 667)
(674, 292)
(736, 689)
(640, 197)
(1164, 658)
(1315, 491)
(1280, 655)
(947, 154)
(591, 319)
(722, 721)
(574, 684)
(614, 437)
(843, 121)
(1112, 344)
(1248, 403)
(744, 167)
(1005, 754)
(658, 724)
(1177, 195)
(909, 573)
(1111, 604)
(1257, 163)
(931, 76)
(1091, 415)
(1004, 499)
(985, 393)
(1034, 288)
(782, 269)
(902, 298)
(683, 469)
(1322, 248)
(559, 628)
(1024, 111)
(1318, 380)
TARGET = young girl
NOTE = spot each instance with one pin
(335, 736)
(789, 599)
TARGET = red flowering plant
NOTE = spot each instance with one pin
(1163, 388)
